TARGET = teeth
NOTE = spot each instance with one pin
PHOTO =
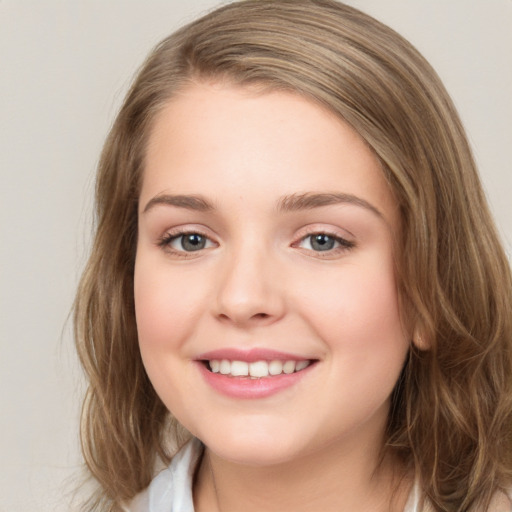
(301, 365)
(257, 369)
(275, 367)
(225, 367)
(289, 367)
(239, 369)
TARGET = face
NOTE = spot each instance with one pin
(265, 294)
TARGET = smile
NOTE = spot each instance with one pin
(256, 369)
(253, 374)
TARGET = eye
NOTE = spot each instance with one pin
(186, 242)
(323, 242)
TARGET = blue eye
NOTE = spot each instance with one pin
(186, 242)
(323, 242)
(191, 242)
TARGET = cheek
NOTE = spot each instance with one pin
(166, 312)
(165, 305)
(356, 308)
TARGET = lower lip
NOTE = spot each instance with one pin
(247, 388)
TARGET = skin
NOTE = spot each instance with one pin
(259, 283)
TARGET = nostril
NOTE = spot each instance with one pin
(261, 315)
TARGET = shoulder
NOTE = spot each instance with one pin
(171, 489)
(138, 504)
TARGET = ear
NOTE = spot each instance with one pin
(419, 339)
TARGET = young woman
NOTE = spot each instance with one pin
(295, 278)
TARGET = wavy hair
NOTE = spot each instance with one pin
(450, 420)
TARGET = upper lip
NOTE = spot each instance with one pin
(250, 356)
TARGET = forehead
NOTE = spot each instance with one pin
(218, 139)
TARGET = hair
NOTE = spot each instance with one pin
(450, 420)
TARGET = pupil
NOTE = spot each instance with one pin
(322, 242)
(193, 242)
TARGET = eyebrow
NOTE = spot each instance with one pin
(289, 203)
(189, 202)
(310, 200)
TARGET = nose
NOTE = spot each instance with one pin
(249, 291)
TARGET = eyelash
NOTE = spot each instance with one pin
(166, 240)
(344, 245)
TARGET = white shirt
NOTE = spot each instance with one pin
(171, 490)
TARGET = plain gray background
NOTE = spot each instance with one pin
(64, 67)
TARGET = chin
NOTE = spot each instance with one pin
(257, 455)
(254, 447)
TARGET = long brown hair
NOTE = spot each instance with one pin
(451, 415)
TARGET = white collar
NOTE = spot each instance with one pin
(171, 489)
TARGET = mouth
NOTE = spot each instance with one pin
(256, 369)
(255, 373)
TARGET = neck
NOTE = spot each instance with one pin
(335, 478)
